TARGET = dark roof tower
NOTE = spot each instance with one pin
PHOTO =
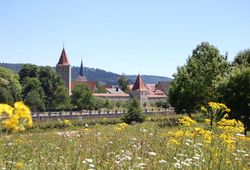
(81, 77)
(81, 70)
(63, 68)
(63, 58)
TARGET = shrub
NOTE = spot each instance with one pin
(134, 113)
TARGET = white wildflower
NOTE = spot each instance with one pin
(91, 166)
(151, 153)
(89, 160)
(133, 139)
(143, 130)
(185, 163)
(239, 134)
(196, 157)
(177, 165)
(162, 161)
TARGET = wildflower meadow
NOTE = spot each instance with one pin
(187, 145)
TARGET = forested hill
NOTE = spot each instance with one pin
(98, 74)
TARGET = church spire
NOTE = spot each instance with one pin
(81, 77)
(81, 70)
(63, 58)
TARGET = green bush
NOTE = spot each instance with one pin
(134, 113)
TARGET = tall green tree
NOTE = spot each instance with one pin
(235, 93)
(33, 93)
(10, 88)
(181, 92)
(47, 84)
(123, 83)
(193, 84)
(82, 97)
(28, 70)
(56, 96)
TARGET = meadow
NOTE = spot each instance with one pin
(161, 142)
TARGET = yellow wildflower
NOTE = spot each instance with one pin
(19, 165)
(207, 121)
(17, 118)
(6, 109)
(67, 122)
(187, 121)
(121, 126)
(203, 109)
(173, 141)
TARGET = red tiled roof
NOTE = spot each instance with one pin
(139, 84)
(63, 58)
(110, 95)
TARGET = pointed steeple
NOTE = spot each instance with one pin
(63, 58)
(81, 70)
(139, 84)
(81, 77)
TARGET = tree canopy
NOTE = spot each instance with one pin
(242, 58)
(123, 83)
(235, 93)
(193, 85)
(46, 85)
(10, 88)
(82, 97)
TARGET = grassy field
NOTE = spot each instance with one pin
(150, 145)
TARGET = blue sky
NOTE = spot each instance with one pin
(131, 37)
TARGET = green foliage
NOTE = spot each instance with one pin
(118, 104)
(235, 93)
(134, 113)
(56, 95)
(10, 88)
(5, 95)
(97, 103)
(28, 70)
(193, 85)
(33, 94)
(181, 94)
(108, 104)
(45, 84)
(35, 100)
(242, 58)
(100, 89)
(82, 97)
(123, 83)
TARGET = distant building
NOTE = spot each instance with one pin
(81, 79)
(145, 93)
(63, 69)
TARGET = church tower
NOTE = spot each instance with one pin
(81, 77)
(63, 68)
(139, 90)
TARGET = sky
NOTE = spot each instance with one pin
(122, 36)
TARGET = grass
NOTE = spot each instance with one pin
(109, 145)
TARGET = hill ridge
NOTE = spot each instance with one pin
(96, 74)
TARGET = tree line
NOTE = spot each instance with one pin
(209, 76)
(42, 89)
